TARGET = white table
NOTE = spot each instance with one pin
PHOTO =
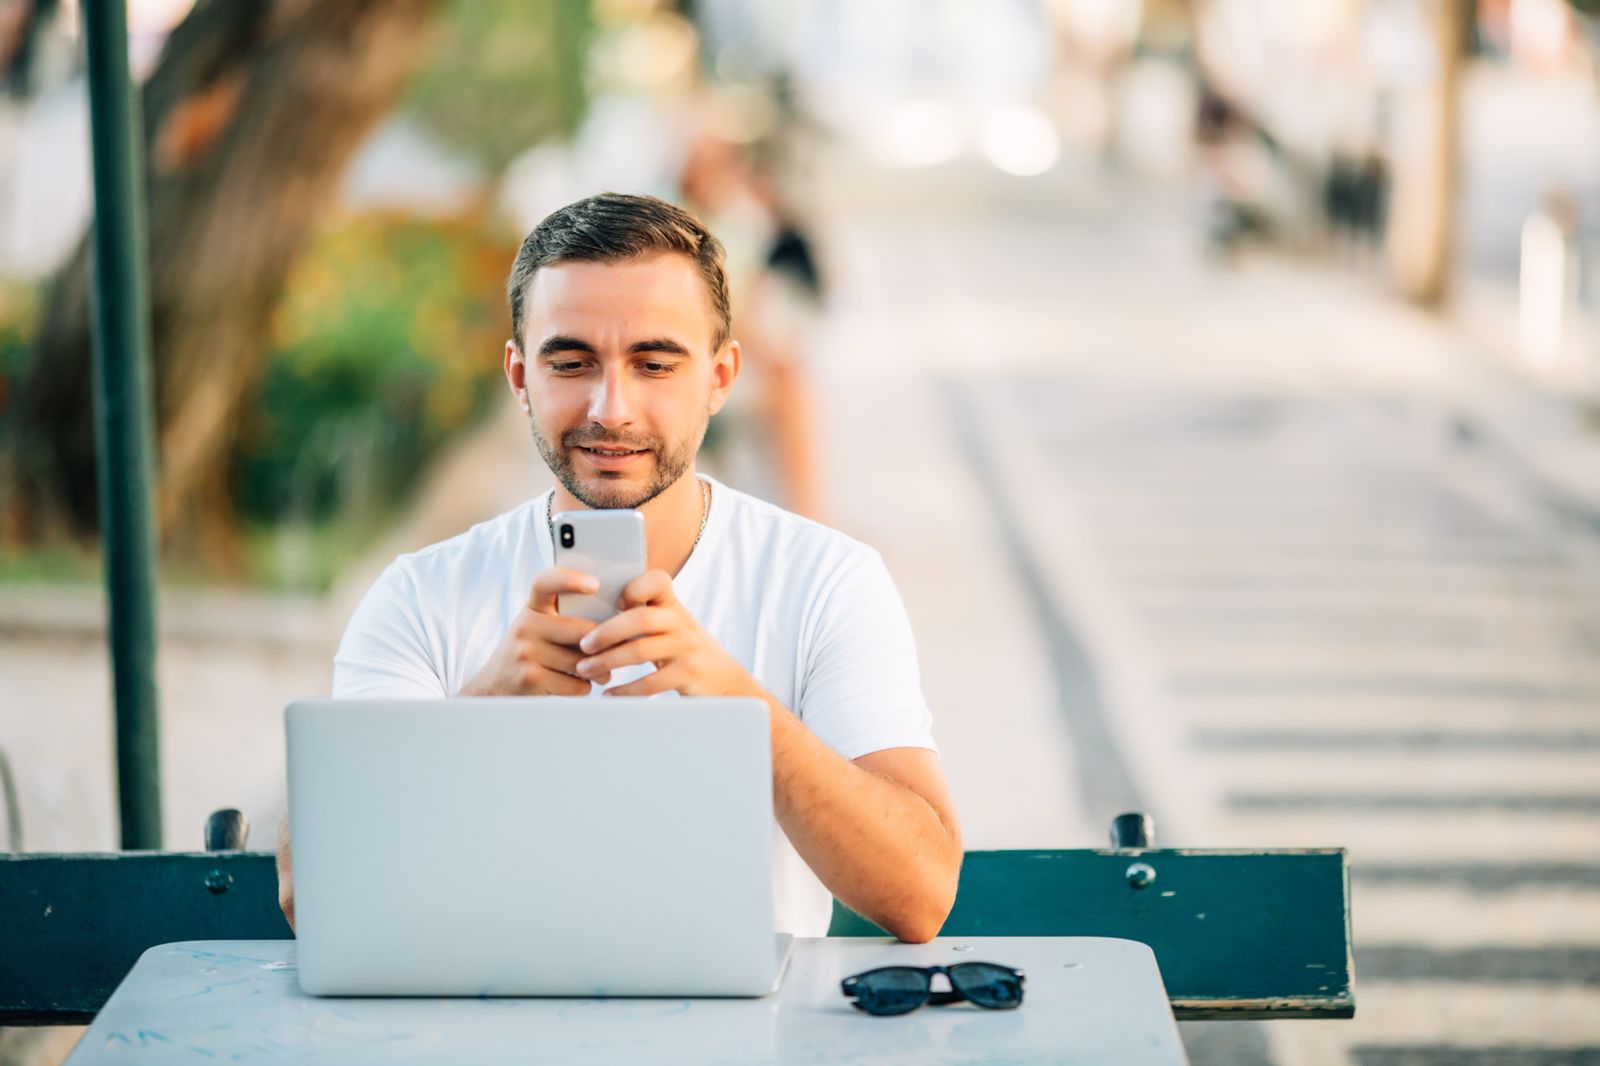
(1087, 1000)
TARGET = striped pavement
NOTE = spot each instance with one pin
(1357, 644)
(1233, 533)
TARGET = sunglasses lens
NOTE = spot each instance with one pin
(892, 990)
(987, 985)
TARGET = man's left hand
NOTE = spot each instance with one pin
(653, 627)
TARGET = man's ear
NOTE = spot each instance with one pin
(725, 364)
(517, 376)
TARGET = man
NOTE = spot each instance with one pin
(620, 354)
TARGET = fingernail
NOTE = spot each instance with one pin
(589, 584)
(584, 665)
(586, 643)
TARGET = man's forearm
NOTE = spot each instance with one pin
(877, 845)
(285, 872)
(884, 841)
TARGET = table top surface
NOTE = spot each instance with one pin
(1087, 1000)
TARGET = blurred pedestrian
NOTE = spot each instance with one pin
(766, 443)
(1236, 171)
(1355, 202)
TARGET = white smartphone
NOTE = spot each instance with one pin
(606, 544)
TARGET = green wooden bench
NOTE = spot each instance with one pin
(73, 925)
(1238, 934)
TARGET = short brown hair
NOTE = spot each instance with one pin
(616, 226)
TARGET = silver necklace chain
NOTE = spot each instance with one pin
(705, 514)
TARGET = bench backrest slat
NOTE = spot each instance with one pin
(72, 926)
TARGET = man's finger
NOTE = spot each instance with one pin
(560, 683)
(556, 629)
(651, 684)
(553, 582)
(645, 650)
(629, 625)
(561, 659)
(653, 587)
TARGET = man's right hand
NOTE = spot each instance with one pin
(539, 654)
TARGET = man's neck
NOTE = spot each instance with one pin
(671, 521)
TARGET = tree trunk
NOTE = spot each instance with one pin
(1422, 216)
(250, 119)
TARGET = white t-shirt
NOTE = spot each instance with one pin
(812, 615)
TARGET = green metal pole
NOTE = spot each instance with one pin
(123, 443)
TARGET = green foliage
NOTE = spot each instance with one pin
(301, 557)
(51, 564)
(504, 75)
(54, 564)
(387, 341)
(19, 313)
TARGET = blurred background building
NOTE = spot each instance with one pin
(1218, 377)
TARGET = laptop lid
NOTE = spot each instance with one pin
(532, 846)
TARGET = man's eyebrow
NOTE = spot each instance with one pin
(563, 343)
(659, 344)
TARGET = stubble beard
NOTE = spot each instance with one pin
(613, 492)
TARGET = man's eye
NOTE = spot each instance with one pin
(659, 368)
(565, 367)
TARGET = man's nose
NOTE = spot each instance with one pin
(611, 404)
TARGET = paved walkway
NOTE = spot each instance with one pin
(1260, 546)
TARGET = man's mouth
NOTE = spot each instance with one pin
(610, 455)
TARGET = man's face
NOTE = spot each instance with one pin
(617, 374)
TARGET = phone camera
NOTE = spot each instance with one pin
(566, 535)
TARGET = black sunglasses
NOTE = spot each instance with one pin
(899, 989)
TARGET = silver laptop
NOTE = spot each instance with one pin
(533, 847)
